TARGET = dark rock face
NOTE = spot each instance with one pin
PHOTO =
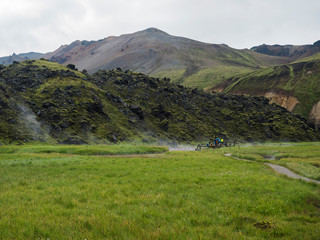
(137, 110)
(160, 113)
(275, 50)
(95, 107)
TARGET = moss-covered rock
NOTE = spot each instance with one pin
(45, 101)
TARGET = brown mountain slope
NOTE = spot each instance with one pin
(152, 51)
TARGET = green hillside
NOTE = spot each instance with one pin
(46, 101)
(204, 77)
(299, 80)
(207, 68)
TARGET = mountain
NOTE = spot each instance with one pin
(157, 53)
(20, 57)
(45, 101)
(294, 86)
(185, 61)
(292, 52)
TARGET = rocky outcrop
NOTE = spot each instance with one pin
(284, 100)
(314, 115)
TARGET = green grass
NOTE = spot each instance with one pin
(83, 149)
(204, 78)
(211, 77)
(173, 74)
(177, 195)
(301, 158)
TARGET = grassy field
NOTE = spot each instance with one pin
(301, 158)
(59, 192)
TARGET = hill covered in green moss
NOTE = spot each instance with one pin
(46, 101)
(295, 86)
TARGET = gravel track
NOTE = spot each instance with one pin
(280, 170)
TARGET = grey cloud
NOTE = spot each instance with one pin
(42, 26)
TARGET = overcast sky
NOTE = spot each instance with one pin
(44, 25)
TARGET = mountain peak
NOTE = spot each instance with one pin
(153, 30)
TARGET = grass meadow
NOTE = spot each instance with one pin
(83, 192)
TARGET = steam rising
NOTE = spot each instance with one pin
(30, 122)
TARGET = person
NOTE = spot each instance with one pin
(217, 141)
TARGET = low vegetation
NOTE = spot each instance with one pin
(176, 195)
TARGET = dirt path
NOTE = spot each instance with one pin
(181, 148)
(280, 170)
